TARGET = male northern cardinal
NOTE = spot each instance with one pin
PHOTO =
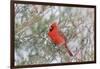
(58, 37)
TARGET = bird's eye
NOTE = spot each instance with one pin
(51, 28)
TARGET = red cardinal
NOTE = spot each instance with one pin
(58, 37)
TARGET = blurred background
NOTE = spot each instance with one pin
(32, 44)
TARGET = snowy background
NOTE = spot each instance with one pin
(32, 44)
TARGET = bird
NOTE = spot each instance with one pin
(57, 36)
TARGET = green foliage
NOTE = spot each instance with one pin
(32, 44)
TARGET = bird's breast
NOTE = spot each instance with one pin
(56, 37)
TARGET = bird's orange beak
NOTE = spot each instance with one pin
(51, 28)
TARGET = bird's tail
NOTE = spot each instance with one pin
(69, 52)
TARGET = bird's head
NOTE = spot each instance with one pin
(53, 26)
